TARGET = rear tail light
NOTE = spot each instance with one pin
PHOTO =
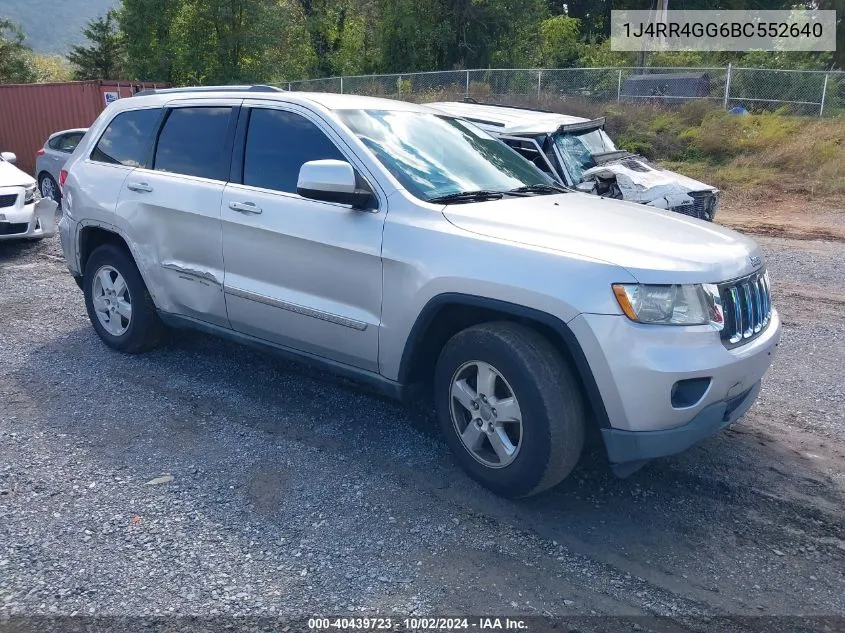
(40, 152)
(62, 178)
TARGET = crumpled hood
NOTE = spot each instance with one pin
(644, 183)
(11, 176)
(655, 246)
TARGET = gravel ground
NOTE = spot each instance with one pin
(205, 478)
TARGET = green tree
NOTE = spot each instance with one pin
(145, 28)
(516, 41)
(413, 35)
(341, 35)
(16, 59)
(560, 44)
(233, 41)
(103, 58)
(454, 34)
(52, 68)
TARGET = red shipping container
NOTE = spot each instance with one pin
(29, 113)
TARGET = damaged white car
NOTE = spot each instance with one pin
(579, 154)
(24, 214)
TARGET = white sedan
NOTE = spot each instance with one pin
(23, 212)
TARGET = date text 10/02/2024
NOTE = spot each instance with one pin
(417, 624)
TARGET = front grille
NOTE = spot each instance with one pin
(747, 305)
(704, 204)
(13, 228)
(8, 200)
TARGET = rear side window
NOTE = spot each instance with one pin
(128, 138)
(68, 142)
(193, 142)
(277, 144)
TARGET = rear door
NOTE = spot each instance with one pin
(171, 208)
(124, 145)
(301, 273)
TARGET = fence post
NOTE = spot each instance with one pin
(466, 92)
(341, 84)
(539, 80)
(619, 87)
(288, 86)
(727, 86)
(824, 94)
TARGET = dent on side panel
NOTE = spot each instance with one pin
(205, 277)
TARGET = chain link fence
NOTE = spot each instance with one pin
(797, 92)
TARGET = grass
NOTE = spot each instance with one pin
(755, 152)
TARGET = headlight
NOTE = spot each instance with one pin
(697, 304)
(32, 194)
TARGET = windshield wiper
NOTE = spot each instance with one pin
(539, 188)
(468, 196)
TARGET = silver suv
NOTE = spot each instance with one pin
(403, 247)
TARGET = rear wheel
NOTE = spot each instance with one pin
(509, 407)
(118, 303)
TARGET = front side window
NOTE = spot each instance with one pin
(277, 145)
(193, 142)
(433, 155)
(128, 138)
(529, 150)
(577, 149)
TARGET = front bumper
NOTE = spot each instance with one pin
(637, 366)
(31, 221)
(639, 446)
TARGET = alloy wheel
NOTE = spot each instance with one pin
(112, 301)
(486, 414)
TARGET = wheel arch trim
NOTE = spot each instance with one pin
(109, 228)
(570, 342)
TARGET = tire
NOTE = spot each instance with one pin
(142, 330)
(550, 436)
(48, 183)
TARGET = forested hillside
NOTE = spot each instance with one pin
(53, 26)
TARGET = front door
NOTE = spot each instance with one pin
(300, 273)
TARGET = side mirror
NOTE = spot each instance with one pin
(332, 181)
(9, 157)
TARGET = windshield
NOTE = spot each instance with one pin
(577, 149)
(434, 156)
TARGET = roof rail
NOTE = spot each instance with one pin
(164, 91)
(503, 105)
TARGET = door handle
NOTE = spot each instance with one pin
(244, 207)
(139, 186)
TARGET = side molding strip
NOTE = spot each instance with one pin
(298, 309)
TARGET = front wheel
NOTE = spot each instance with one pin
(509, 407)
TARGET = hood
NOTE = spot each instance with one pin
(655, 246)
(642, 182)
(11, 176)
